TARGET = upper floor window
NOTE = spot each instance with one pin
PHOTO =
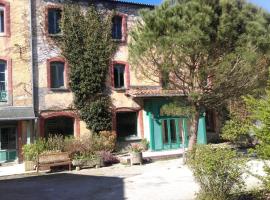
(117, 22)
(3, 81)
(2, 19)
(119, 75)
(54, 19)
(57, 73)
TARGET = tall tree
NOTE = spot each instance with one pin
(87, 45)
(209, 50)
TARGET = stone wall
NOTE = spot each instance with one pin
(15, 48)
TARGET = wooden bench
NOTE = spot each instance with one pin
(53, 159)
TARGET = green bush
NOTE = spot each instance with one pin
(237, 131)
(30, 151)
(217, 170)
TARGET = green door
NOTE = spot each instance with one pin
(169, 133)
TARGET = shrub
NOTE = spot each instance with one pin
(108, 139)
(55, 143)
(30, 151)
(135, 147)
(108, 158)
(237, 131)
(217, 170)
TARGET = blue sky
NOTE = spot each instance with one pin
(262, 3)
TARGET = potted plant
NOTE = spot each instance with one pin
(136, 153)
(80, 161)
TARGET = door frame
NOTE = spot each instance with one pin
(170, 145)
(9, 151)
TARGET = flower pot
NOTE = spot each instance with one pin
(136, 158)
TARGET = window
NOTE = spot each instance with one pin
(57, 74)
(119, 71)
(210, 120)
(117, 22)
(2, 19)
(8, 138)
(126, 124)
(54, 18)
(59, 126)
(3, 81)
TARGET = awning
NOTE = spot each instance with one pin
(152, 91)
(16, 113)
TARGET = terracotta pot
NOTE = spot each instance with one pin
(136, 158)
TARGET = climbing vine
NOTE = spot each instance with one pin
(88, 47)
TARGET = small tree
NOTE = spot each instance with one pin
(208, 50)
(88, 47)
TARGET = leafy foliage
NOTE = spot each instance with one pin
(237, 130)
(260, 114)
(88, 47)
(212, 51)
(217, 170)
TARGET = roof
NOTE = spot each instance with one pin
(134, 3)
(152, 91)
(16, 113)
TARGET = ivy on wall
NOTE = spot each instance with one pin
(87, 45)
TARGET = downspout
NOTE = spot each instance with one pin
(32, 67)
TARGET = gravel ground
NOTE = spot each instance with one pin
(162, 180)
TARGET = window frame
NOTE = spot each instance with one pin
(128, 136)
(8, 77)
(49, 74)
(5, 6)
(124, 27)
(126, 75)
(48, 8)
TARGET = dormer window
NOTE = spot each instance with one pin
(54, 20)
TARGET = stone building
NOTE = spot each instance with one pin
(35, 99)
(16, 89)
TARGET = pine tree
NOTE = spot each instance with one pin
(210, 50)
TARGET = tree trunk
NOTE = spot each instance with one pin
(193, 137)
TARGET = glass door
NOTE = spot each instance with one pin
(170, 133)
(8, 143)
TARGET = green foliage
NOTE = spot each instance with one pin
(145, 144)
(260, 114)
(212, 50)
(31, 151)
(88, 47)
(237, 131)
(178, 108)
(217, 170)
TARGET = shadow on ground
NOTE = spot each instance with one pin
(63, 186)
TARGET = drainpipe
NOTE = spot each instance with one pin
(32, 66)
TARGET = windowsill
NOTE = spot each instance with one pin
(55, 35)
(120, 89)
(3, 35)
(119, 40)
(129, 138)
(59, 90)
